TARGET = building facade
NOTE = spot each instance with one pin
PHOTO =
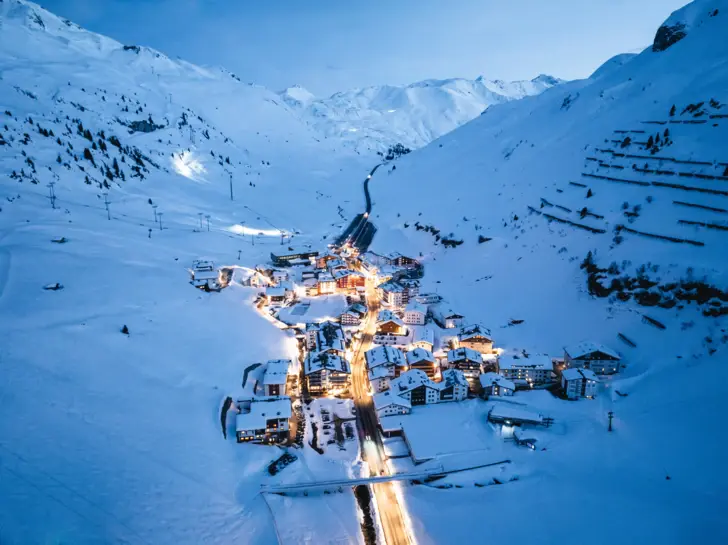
(578, 382)
(263, 419)
(594, 356)
(534, 369)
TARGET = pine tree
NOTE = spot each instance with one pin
(88, 156)
(650, 142)
(672, 110)
(589, 194)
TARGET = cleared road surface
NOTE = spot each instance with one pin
(389, 509)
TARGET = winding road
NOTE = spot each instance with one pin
(360, 230)
(389, 510)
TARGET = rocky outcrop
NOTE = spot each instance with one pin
(667, 36)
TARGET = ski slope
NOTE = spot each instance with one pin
(506, 177)
(109, 438)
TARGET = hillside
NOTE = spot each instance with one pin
(114, 438)
(374, 118)
(595, 209)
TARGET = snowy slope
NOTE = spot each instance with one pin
(115, 439)
(506, 184)
(375, 118)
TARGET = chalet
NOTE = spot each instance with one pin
(493, 384)
(257, 280)
(336, 265)
(379, 377)
(415, 313)
(353, 315)
(369, 263)
(275, 377)
(279, 276)
(476, 337)
(399, 260)
(292, 256)
(203, 265)
(326, 284)
(277, 295)
(386, 356)
(263, 419)
(588, 355)
(578, 382)
(348, 280)
(206, 280)
(453, 385)
(445, 317)
(326, 337)
(397, 294)
(418, 389)
(423, 337)
(391, 294)
(466, 360)
(422, 359)
(326, 372)
(389, 322)
(322, 261)
(533, 369)
(428, 298)
(389, 404)
(311, 287)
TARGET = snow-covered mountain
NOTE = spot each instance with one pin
(374, 118)
(109, 438)
(596, 210)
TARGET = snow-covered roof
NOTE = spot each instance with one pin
(506, 411)
(310, 282)
(341, 273)
(325, 277)
(380, 371)
(423, 334)
(463, 353)
(276, 371)
(391, 286)
(414, 306)
(474, 330)
(535, 361)
(382, 355)
(489, 379)
(451, 377)
(576, 374)
(330, 336)
(200, 275)
(385, 399)
(203, 265)
(261, 410)
(419, 354)
(385, 316)
(586, 348)
(275, 291)
(443, 311)
(414, 378)
(325, 360)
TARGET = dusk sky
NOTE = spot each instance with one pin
(327, 46)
